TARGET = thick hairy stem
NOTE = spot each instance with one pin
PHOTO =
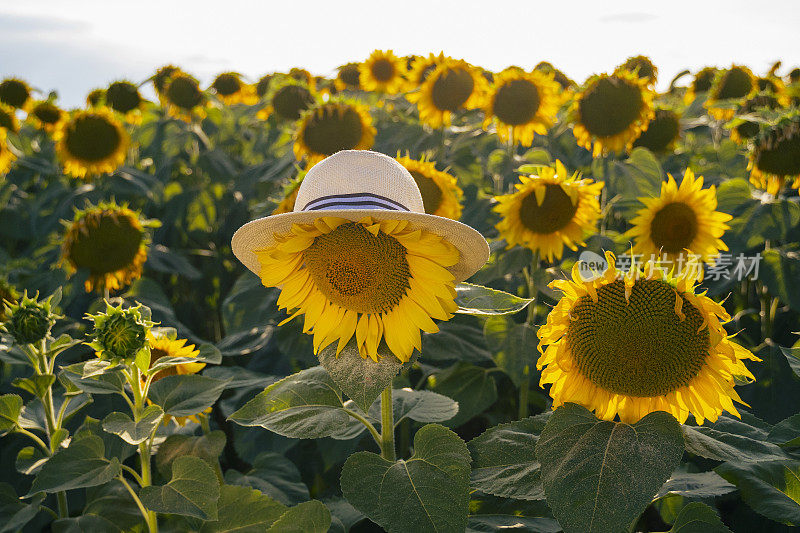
(387, 425)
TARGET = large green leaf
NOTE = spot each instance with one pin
(36, 385)
(599, 476)
(87, 522)
(793, 358)
(14, 514)
(419, 405)
(504, 460)
(206, 447)
(786, 432)
(306, 405)
(513, 347)
(698, 517)
(480, 300)
(186, 395)
(361, 379)
(10, 406)
(771, 488)
(307, 517)
(134, 432)
(730, 440)
(471, 386)
(428, 492)
(82, 464)
(274, 475)
(95, 377)
(192, 491)
(243, 510)
(696, 485)
(458, 339)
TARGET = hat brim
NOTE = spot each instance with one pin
(260, 233)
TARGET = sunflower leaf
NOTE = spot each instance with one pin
(490, 523)
(599, 476)
(471, 386)
(82, 464)
(192, 491)
(134, 432)
(243, 509)
(771, 488)
(513, 347)
(418, 405)
(698, 517)
(207, 447)
(480, 300)
(10, 406)
(186, 395)
(307, 517)
(14, 513)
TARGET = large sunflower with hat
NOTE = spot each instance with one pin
(359, 257)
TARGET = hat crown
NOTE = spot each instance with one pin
(359, 179)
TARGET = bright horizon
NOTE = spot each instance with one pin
(73, 47)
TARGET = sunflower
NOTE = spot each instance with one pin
(8, 295)
(8, 119)
(521, 104)
(441, 195)
(661, 133)
(742, 130)
(263, 85)
(95, 98)
(347, 77)
(230, 89)
(183, 98)
(91, 143)
(15, 93)
(642, 66)
(47, 116)
(303, 76)
(549, 211)
(110, 242)
(729, 87)
(701, 83)
(162, 78)
(286, 205)
(383, 72)
(630, 345)
(682, 220)
(559, 77)
(794, 75)
(7, 157)
(454, 85)
(420, 68)
(775, 157)
(328, 128)
(124, 98)
(287, 100)
(372, 279)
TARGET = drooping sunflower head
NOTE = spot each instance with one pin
(263, 85)
(124, 98)
(440, 192)
(642, 66)
(8, 119)
(559, 77)
(46, 116)
(328, 128)
(742, 130)
(7, 157)
(628, 345)
(701, 83)
(453, 86)
(288, 99)
(91, 143)
(680, 224)
(108, 241)
(661, 133)
(549, 211)
(611, 112)
(15, 93)
(162, 78)
(729, 88)
(775, 155)
(420, 68)
(95, 98)
(371, 279)
(303, 76)
(521, 104)
(794, 75)
(383, 72)
(348, 77)
(230, 89)
(183, 97)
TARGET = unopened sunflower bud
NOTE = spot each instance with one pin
(8, 296)
(120, 333)
(29, 320)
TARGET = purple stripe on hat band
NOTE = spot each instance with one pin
(354, 201)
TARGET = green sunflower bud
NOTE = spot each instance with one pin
(29, 320)
(7, 295)
(120, 333)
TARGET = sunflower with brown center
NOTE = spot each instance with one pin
(559, 77)
(549, 211)
(441, 195)
(124, 98)
(661, 133)
(47, 116)
(628, 345)
(521, 104)
(681, 221)
(15, 93)
(383, 72)
(452, 87)
(372, 279)
(162, 78)
(328, 128)
(701, 83)
(7, 157)
(348, 77)
(420, 68)
(303, 76)
(729, 88)
(775, 155)
(288, 99)
(91, 143)
(642, 66)
(95, 98)
(108, 241)
(742, 129)
(183, 98)
(263, 85)
(8, 119)
(230, 89)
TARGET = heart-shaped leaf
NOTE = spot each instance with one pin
(206, 447)
(274, 475)
(428, 492)
(82, 464)
(186, 395)
(192, 491)
(243, 510)
(698, 517)
(771, 488)
(731, 440)
(307, 517)
(419, 405)
(598, 476)
(134, 432)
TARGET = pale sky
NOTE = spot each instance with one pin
(76, 45)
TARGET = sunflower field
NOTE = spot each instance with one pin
(625, 360)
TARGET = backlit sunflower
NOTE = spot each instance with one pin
(521, 104)
(263, 85)
(124, 98)
(8, 119)
(775, 156)
(701, 83)
(549, 211)
(91, 143)
(95, 98)
(421, 67)
(7, 157)
(661, 133)
(630, 345)
(287, 100)
(328, 128)
(441, 195)
(110, 242)
(682, 221)
(162, 78)
(743, 130)
(347, 77)
(642, 67)
(729, 88)
(611, 112)
(303, 76)
(183, 98)
(369, 279)
(47, 116)
(453, 86)
(383, 72)
(230, 89)
(15, 93)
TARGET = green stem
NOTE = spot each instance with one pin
(524, 391)
(35, 438)
(144, 447)
(63, 509)
(524, 387)
(145, 512)
(132, 472)
(372, 431)
(387, 425)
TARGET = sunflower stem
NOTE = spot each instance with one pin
(524, 387)
(387, 425)
(144, 447)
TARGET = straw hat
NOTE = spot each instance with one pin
(353, 184)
